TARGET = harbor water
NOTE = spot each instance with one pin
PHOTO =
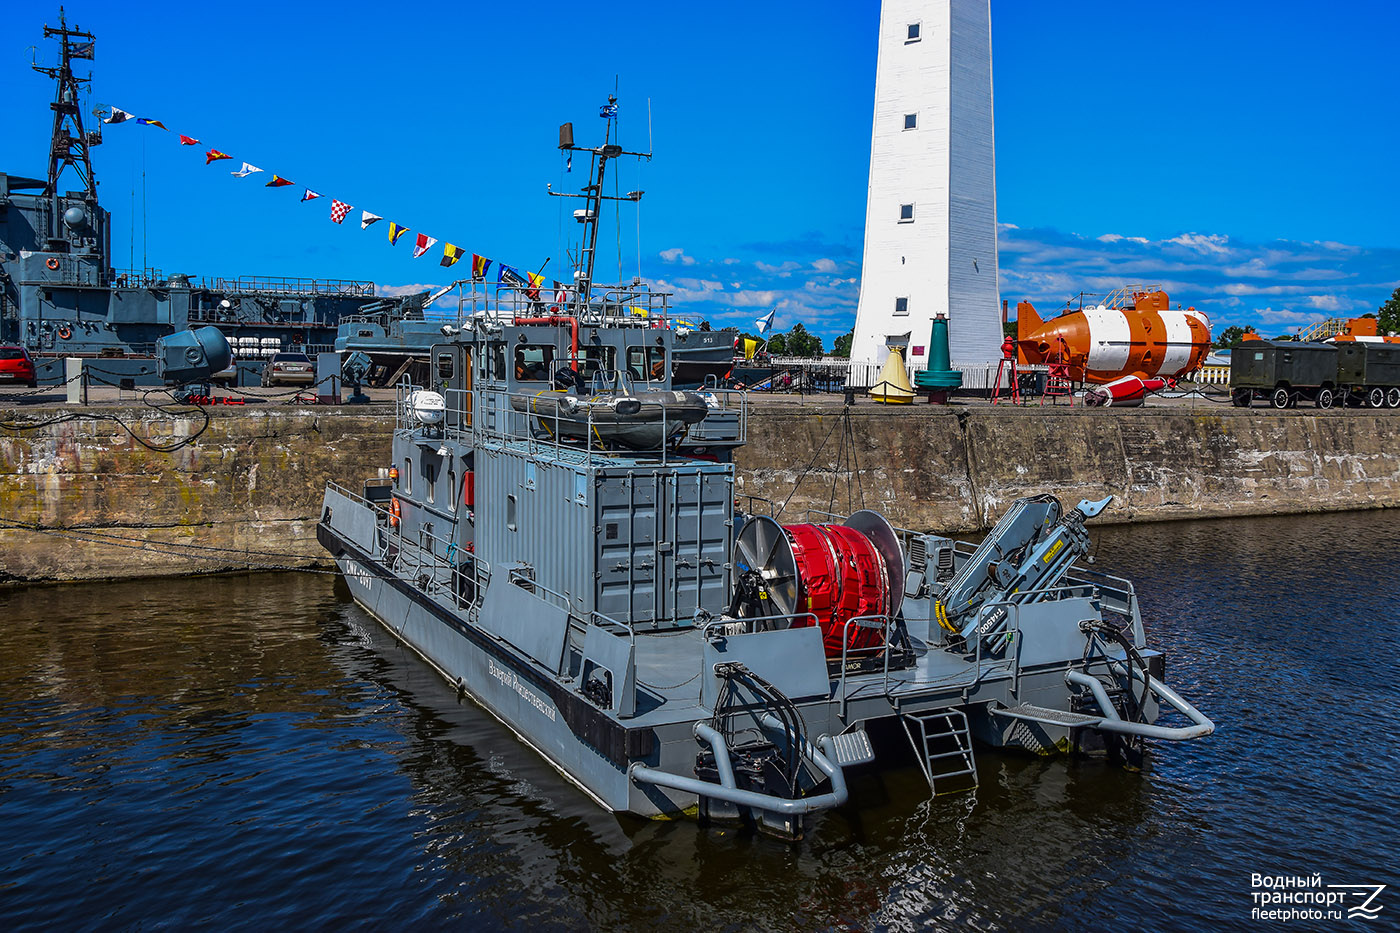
(256, 752)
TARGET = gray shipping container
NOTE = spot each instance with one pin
(639, 541)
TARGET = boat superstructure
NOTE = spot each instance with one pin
(597, 588)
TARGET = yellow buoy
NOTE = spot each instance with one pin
(893, 388)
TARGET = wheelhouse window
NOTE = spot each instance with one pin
(533, 362)
(906, 213)
(408, 476)
(593, 359)
(646, 364)
(497, 368)
(445, 365)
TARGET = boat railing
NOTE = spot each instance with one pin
(579, 620)
(885, 625)
(458, 424)
(440, 568)
(627, 306)
(723, 402)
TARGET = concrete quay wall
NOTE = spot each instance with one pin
(246, 493)
(957, 470)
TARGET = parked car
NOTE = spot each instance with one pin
(289, 369)
(17, 366)
(228, 376)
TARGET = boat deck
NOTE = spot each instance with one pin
(670, 668)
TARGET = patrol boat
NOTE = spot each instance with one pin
(602, 595)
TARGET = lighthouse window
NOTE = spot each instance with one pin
(901, 306)
(911, 121)
(913, 34)
(906, 213)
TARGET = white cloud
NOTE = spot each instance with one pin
(782, 271)
(824, 265)
(1214, 244)
(731, 261)
(1328, 303)
(395, 291)
(676, 254)
(1285, 316)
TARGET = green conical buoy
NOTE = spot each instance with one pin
(940, 376)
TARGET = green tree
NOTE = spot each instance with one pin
(1388, 314)
(801, 343)
(1230, 336)
(777, 345)
(842, 346)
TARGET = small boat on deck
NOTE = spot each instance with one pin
(615, 412)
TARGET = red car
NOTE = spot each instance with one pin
(16, 366)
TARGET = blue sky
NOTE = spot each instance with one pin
(1242, 154)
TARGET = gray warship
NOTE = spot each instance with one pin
(61, 296)
(599, 590)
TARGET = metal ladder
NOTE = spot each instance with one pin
(943, 746)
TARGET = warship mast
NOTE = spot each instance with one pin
(70, 143)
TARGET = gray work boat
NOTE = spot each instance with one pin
(670, 654)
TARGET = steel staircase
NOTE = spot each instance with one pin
(943, 745)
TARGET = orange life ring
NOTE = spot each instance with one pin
(394, 511)
(64, 332)
(51, 262)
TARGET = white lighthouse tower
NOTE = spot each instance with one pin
(931, 217)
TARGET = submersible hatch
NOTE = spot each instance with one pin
(597, 591)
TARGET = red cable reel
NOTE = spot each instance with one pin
(834, 572)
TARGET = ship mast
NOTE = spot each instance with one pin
(593, 194)
(69, 143)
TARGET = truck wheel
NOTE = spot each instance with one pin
(1392, 397)
(1282, 397)
(1376, 397)
(1325, 397)
(1243, 398)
